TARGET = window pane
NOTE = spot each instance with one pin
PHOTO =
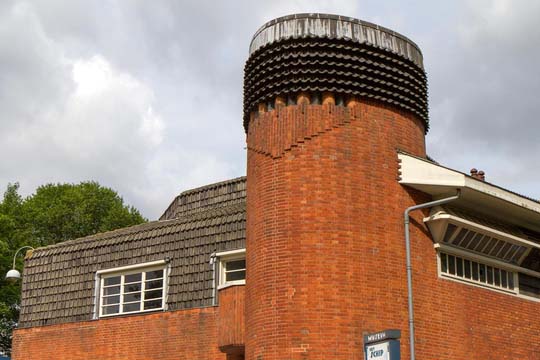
(132, 307)
(111, 281)
(153, 284)
(237, 275)
(512, 252)
(467, 269)
(482, 243)
(529, 285)
(108, 310)
(490, 246)
(451, 265)
(444, 263)
(497, 277)
(132, 278)
(132, 287)
(475, 271)
(153, 294)
(132, 297)
(152, 304)
(235, 265)
(459, 263)
(109, 300)
(511, 281)
(482, 271)
(504, 250)
(459, 238)
(475, 241)
(504, 278)
(497, 248)
(468, 239)
(156, 274)
(489, 275)
(449, 232)
(113, 290)
(519, 253)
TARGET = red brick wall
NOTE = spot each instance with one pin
(178, 335)
(326, 260)
(325, 246)
(231, 320)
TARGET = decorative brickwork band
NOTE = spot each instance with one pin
(274, 132)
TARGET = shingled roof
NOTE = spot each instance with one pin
(59, 280)
(219, 194)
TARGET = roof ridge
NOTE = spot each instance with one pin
(213, 185)
(199, 190)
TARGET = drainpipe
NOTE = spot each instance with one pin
(409, 266)
(213, 266)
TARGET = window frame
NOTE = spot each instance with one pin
(470, 280)
(223, 259)
(494, 263)
(124, 271)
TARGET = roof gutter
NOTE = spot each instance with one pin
(409, 266)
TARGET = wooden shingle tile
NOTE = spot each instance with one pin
(58, 284)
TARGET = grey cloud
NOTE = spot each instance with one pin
(485, 91)
(32, 70)
(186, 58)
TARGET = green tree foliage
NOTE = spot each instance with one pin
(59, 212)
(55, 213)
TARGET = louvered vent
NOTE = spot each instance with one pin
(484, 244)
(488, 237)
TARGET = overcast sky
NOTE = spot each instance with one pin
(146, 96)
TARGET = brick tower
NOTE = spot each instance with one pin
(327, 102)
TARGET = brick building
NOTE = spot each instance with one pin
(307, 253)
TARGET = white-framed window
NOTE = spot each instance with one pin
(132, 289)
(482, 251)
(476, 272)
(458, 265)
(231, 268)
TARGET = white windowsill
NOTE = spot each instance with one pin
(487, 287)
(231, 283)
